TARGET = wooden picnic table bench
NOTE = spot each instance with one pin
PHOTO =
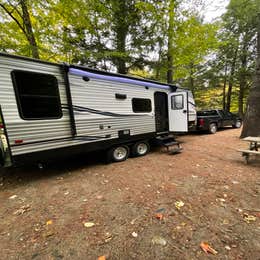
(254, 144)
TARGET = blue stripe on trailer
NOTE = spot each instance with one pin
(117, 79)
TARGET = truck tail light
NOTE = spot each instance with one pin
(201, 122)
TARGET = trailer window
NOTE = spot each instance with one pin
(141, 105)
(37, 95)
(177, 102)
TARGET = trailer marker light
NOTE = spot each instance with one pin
(1, 126)
(18, 141)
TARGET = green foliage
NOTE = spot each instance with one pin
(208, 98)
(145, 38)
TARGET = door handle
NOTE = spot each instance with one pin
(184, 111)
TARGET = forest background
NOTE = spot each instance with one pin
(165, 40)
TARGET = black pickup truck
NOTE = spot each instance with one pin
(211, 120)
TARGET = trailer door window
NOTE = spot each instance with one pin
(37, 95)
(141, 105)
(177, 102)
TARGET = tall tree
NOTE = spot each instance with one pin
(251, 122)
(18, 11)
(231, 77)
(224, 87)
(240, 30)
(170, 37)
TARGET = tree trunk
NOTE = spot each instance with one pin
(251, 125)
(191, 76)
(121, 31)
(158, 63)
(224, 88)
(231, 80)
(170, 41)
(29, 31)
(242, 81)
(241, 98)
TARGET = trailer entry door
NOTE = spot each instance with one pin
(161, 111)
(178, 112)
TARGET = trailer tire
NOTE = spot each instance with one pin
(213, 128)
(140, 148)
(118, 153)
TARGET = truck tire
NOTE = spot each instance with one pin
(140, 148)
(213, 128)
(118, 153)
(237, 124)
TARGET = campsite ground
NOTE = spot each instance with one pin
(43, 212)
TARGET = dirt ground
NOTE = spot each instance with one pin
(136, 206)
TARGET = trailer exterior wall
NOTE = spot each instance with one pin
(32, 131)
(100, 95)
(97, 129)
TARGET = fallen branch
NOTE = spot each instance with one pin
(252, 210)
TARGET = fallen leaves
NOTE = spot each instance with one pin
(49, 222)
(249, 218)
(100, 197)
(157, 240)
(13, 197)
(207, 248)
(89, 224)
(228, 248)
(108, 237)
(222, 202)
(48, 233)
(225, 222)
(22, 210)
(159, 216)
(179, 204)
(134, 234)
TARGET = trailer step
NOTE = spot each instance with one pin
(171, 143)
(172, 147)
(175, 150)
(166, 137)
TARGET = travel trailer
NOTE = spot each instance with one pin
(51, 110)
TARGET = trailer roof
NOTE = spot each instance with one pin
(117, 78)
(118, 75)
(95, 73)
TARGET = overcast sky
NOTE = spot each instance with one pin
(214, 9)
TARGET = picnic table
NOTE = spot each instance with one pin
(254, 144)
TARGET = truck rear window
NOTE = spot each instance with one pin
(207, 113)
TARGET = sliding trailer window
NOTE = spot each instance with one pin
(141, 105)
(37, 95)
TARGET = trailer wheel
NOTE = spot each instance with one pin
(118, 153)
(140, 148)
(213, 128)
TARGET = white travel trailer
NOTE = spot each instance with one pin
(50, 110)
